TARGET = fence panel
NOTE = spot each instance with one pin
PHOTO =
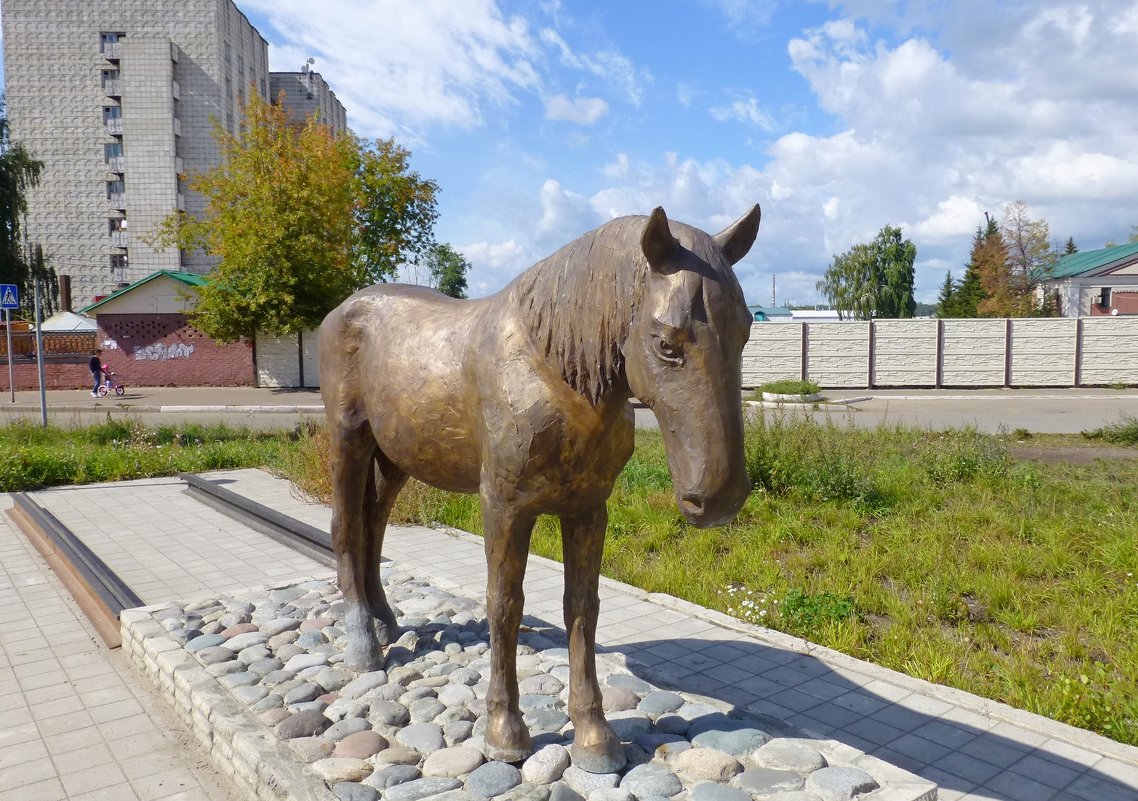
(310, 346)
(1043, 352)
(904, 353)
(773, 352)
(278, 360)
(837, 354)
(974, 353)
(1109, 350)
(55, 343)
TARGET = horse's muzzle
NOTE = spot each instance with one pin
(703, 511)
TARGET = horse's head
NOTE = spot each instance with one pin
(683, 358)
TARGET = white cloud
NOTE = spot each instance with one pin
(581, 110)
(746, 111)
(609, 65)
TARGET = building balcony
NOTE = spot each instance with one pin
(178, 165)
(175, 90)
(110, 51)
(117, 200)
(114, 127)
(112, 88)
(120, 239)
(116, 164)
(181, 203)
(177, 127)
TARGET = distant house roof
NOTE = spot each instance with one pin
(1091, 260)
(68, 321)
(189, 279)
(764, 313)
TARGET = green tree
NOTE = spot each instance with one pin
(946, 300)
(299, 219)
(396, 210)
(448, 270)
(19, 172)
(1013, 260)
(1070, 247)
(873, 280)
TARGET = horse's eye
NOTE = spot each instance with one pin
(670, 352)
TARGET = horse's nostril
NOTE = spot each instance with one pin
(692, 504)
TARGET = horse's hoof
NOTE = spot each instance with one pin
(496, 754)
(387, 634)
(598, 759)
(363, 659)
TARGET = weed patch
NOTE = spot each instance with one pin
(1124, 432)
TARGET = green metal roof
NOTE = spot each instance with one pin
(189, 279)
(1086, 261)
(766, 312)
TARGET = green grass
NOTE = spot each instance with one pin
(32, 457)
(1124, 432)
(789, 386)
(935, 554)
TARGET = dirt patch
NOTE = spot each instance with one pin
(1070, 454)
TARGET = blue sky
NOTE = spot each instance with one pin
(542, 119)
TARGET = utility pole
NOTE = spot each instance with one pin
(774, 295)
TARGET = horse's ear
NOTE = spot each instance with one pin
(736, 239)
(658, 243)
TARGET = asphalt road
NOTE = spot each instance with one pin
(1036, 410)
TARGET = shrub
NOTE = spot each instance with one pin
(1124, 432)
(805, 612)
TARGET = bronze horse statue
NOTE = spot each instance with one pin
(523, 398)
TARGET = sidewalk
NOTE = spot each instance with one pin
(976, 749)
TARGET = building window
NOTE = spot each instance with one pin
(116, 224)
(1104, 297)
(112, 150)
(228, 53)
(108, 38)
(112, 113)
(118, 261)
(109, 76)
(241, 67)
(116, 187)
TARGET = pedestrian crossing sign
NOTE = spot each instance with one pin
(9, 296)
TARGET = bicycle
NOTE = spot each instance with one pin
(111, 383)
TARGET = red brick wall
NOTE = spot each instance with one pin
(55, 376)
(157, 350)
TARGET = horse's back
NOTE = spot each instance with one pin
(395, 356)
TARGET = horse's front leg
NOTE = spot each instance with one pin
(595, 746)
(506, 535)
(352, 463)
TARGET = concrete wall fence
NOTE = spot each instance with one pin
(1046, 352)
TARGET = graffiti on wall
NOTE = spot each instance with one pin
(160, 351)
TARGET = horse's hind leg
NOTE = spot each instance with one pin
(596, 748)
(352, 458)
(382, 489)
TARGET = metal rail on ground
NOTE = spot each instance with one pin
(98, 590)
(309, 540)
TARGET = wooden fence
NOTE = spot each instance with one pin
(56, 345)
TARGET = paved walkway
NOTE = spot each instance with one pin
(974, 748)
(75, 720)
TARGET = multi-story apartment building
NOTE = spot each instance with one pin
(305, 93)
(119, 100)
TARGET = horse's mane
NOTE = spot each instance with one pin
(578, 304)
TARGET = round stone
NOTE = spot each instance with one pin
(465, 676)
(289, 651)
(246, 640)
(341, 769)
(453, 762)
(541, 684)
(644, 781)
(352, 791)
(584, 782)
(840, 784)
(546, 765)
(392, 775)
(612, 794)
(251, 694)
(423, 737)
(426, 709)
(338, 731)
(707, 764)
(493, 779)
(302, 661)
(305, 692)
(273, 715)
(220, 669)
(399, 755)
(421, 788)
(362, 683)
(672, 724)
(455, 695)
(526, 792)
(279, 626)
(303, 724)
(730, 737)
(638, 686)
(766, 781)
(788, 754)
(710, 791)
(560, 791)
(238, 629)
(204, 641)
(361, 745)
(457, 731)
(270, 701)
(618, 699)
(332, 678)
(528, 703)
(659, 702)
(215, 654)
(343, 708)
(315, 623)
(389, 713)
(546, 720)
(630, 724)
(263, 667)
(243, 679)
